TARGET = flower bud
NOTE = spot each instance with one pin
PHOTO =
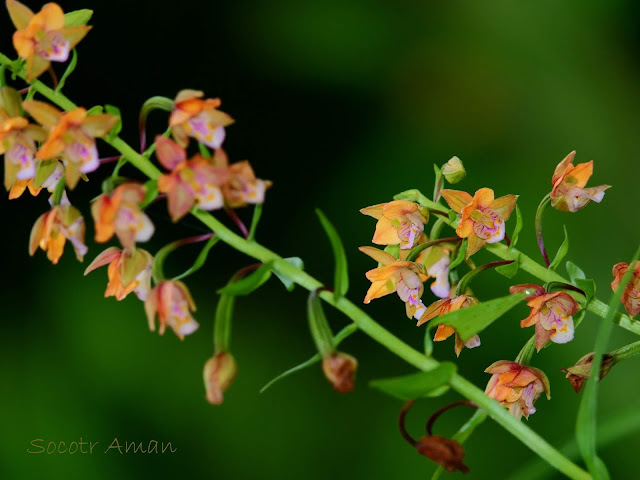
(219, 373)
(444, 451)
(582, 369)
(453, 170)
(340, 369)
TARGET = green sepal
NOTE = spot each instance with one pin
(77, 17)
(417, 385)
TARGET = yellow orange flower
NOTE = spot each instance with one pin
(516, 386)
(71, 136)
(436, 260)
(43, 38)
(172, 303)
(53, 172)
(483, 216)
(399, 222)
(551, 313)
(54, 228)
(194, 117)
(193, 181)
(442, 307)
(405, 278)
(569, 193)
(631, 294)
(17, 139)
(120, 213)
(241, 187)
(129, 271)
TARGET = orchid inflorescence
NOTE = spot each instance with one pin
(51, 144)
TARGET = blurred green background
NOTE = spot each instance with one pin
(342, 104)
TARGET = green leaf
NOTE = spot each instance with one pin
(286, 281)
(471, 320)
(70, 68)
(118, 126)
(77, 17)
(204, 151)
(562, 251)
(319, 326)
(222, 323)
(511, 269)
(200, 259)
(416, 385)
(462, 252)
(95, 110)
(517, 229)
(574, 271)
(340, 336)
(579, 279)
(453, 215)
(44, 170)
(150, 192)
(341, 275)
(257, 213)
(393, 250)
(586, 434)
(250, 283)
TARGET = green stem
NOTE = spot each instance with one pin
(364, 322)
(524, 357)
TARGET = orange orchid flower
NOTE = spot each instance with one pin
(43, 38)
(399, 222)
(483, 216)
(193, 181)
(17, 139)
(194, 117)
(172, 303)
(551, 313)
(444, 306)
(405, 278)
(71, 136)
(129, 271)
(120, 213)
(569, 193)
(241, 187)
(54, 228)
(631, 295)
(516, 386)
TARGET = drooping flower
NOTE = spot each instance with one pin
(71, 136)
(17, 139)
(631, 294)
(444, 306)
(551, 313)
(197, 118)
(483, 216)
(399, 222)
(405, 278)
(516, 386)
(581, 371)
(340, 369)
(171, 301)
(193, 181)
(120, 213)
(569, 193)
(42, 38)
(54, 228)
(218, 374)
(129, 271)
(241, 187)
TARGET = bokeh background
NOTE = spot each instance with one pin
(342, 104)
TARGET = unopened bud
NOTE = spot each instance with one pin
(582, 369)
(444, 451)
(340, 369)
(453, 170)
(218, 374)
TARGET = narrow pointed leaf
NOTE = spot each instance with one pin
(517, 229)
(416, 385)
(471, 320)
(319, 326)
(340, 336)
(222, 325)
(341, 275)
(510, 270)
(115, 131)
(286, 281)
(200, 259)
(77, 17)
(70, 68)
(562, 251)
(250, 283)
(462, 253)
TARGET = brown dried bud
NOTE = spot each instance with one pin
(218, 374)
(582, 369)
(444, 451)
(340, 369)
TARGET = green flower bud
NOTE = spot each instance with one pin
(453, 170)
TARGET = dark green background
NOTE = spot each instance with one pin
(342, 105)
